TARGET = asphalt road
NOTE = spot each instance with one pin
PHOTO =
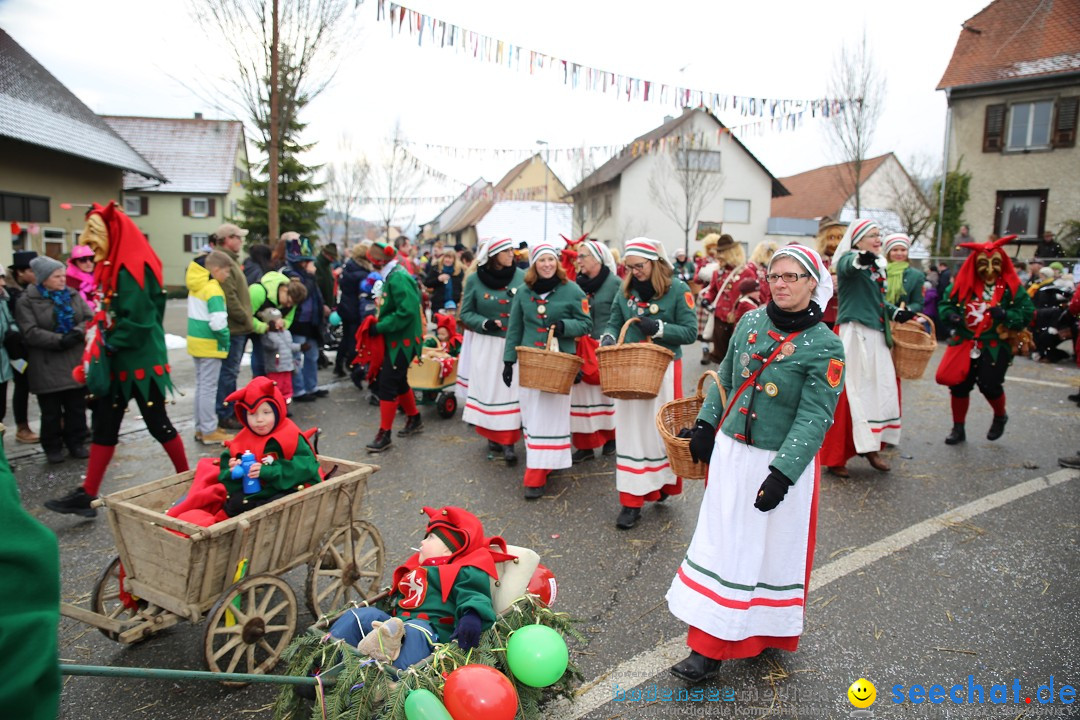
(961, 561)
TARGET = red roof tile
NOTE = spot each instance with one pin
(1015, 39)
(822, 191)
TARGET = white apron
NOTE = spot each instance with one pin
(590, 409)
(461, 389)
(641, 462)
(870, 382)
(489, 403)
(545, 420)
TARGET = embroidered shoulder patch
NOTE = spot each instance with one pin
(585, 305)
(689, 300)
(835, 372)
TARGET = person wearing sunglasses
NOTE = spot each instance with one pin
(80, 273)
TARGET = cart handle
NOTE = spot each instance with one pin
(170, 674)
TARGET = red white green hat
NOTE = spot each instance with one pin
(643, 247)
(600, 253)
(492, 247)
(856, 231)
(811, 260)
(542, 249)
(894, 240)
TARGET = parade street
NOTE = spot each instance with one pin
(962, 561)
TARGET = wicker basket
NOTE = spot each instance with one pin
(679, 414)
(547, 370)
(912, 348)
(632, 371)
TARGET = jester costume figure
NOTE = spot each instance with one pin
(987, 311)
(125, 357)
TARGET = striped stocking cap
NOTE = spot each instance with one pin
(809, 259)
(542, 249)
(600, 253)
(856, 231)
(492, 247)
(895, 240)
(642, 247)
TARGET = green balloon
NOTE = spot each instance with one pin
(423, 704)
(537, 655)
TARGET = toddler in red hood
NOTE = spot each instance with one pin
(284, 458)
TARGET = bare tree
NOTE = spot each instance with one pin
(683, 182)
(345, 183)
(857, 82)
(394, 180)
(268, 38)
(911, 199)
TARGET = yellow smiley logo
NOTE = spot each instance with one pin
(862, 693)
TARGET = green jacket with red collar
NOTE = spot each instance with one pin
(531, 315)
(481, 303)
(675, 310)
(400, 315)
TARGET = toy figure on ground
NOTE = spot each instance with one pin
(125, 356)
(280, 353)
(988, 311)
(286, 461)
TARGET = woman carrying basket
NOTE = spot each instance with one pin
(664, 308)
(903, 283)
(592, 414)
(868, 412)
(490, 407)
(546, 302)
(742, 586)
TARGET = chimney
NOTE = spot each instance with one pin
(198, 116)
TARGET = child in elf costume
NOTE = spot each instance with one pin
(445, 345)
(284, 458)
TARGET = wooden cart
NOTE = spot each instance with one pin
(170, 570)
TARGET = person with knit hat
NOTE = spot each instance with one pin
(489, 405)
(868, 412)
(52, 318)
(723, 292)
(592, 414)
(742, 586)
(125, 357)
(229, 239)
(683, 267)
(985, 306)
(20, 277)
(80, 273)
(903, 283)
(546, 303)
(401, 326)
(663, 306)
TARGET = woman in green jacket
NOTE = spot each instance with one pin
(546, 301)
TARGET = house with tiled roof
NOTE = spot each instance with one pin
(1013, 90)
(205, 162)
(54, 152)
(828, 193)
(525, 196)
(620, 200)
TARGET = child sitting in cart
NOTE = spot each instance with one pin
(443, 347)
(283, 458)
(441, 593)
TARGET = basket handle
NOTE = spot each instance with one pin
(626, 326)
(928, 319)
(716, 379)
(551, 339)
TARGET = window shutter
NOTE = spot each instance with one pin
(1065, 123)
(994, 129)
(211, 203)
(187, 239)
(144, 203)
(186, 210)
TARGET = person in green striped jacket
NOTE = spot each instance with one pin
(207, 339)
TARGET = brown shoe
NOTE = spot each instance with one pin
(218, 437)
(876, 462)
(26, 436)
(840, 471)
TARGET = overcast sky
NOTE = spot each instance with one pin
(140, 57)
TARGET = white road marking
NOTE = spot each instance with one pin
(1042, 382)
(646, 665)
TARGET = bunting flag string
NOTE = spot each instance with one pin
(483, 193)
(405, 21)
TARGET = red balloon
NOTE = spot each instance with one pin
(480, 692)
(543, 584)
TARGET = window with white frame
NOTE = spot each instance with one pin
(200, 207)
(1029, 125)
(199, 241)
(700, 160)
(133, 206)
(736, 211)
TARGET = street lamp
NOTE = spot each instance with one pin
(547, 157)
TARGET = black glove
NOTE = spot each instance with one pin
(772, 491)
(998, 313)
(686, 433)
(902, 316)
(373, 331)
(952, 319)
(702, 441)
(490, 326)
(606, 340)
(867, 258)
(468, 630)
(508, 373)
(649, 326)
(70, 339)
(560, 328)
(580, 375)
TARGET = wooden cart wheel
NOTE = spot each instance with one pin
(348, 567)
(105, 600)
(249, 636)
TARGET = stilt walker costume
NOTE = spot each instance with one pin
(545, 417)
(986, 306)
(401, 325)
(125, 356)
(868, 413)
(489, 405)
(642, 470)
(592, 414)
(742, 586)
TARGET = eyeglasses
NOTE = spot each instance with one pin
(789, 278)
(84, 259)
(636, 266)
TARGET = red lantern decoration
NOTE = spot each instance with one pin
(543, 584)
(480, 692)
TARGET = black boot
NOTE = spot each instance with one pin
(957, 435)
(534, 493)
(76, 502)
(696, 668)
(997, 427)
(628, 518)
(494, 447)
(381, 442)
(609, 448)
(414, 424)
(509, 455)
(581, 456)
